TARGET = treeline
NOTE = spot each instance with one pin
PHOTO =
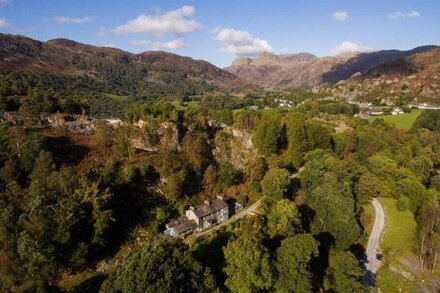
(45, 93)
(111, 92)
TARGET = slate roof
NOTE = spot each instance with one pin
(206, 210)
(185, 226)
(176, 222)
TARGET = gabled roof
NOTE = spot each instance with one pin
(185, 226)
(206, 210)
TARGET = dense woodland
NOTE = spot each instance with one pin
(70, 202)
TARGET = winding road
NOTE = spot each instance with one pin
(372, 264)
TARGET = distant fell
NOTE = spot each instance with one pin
(63, 57)
(305, 69)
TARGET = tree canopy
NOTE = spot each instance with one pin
(163, 266)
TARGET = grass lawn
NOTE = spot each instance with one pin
(398, 240)
(190, 105)
(403, 121)
(400, 229)
(368, 213)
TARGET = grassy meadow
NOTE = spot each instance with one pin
(402, 121)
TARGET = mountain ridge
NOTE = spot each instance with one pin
(66, 57)
(278, 70)
(416, 76)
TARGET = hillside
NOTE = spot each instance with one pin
(415, 76)
(66, 58)
(304, 69)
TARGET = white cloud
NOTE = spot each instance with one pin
(349, 47)
(65, 19)
(241, 43)
(178, 21)
(4, 23)
(157, 45)
(340, 15)
(399, 14)
(102, 31)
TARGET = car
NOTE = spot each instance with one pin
(379, 257)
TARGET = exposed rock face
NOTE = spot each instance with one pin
(238, 151)
(153, 135)
(304, 69)
(72, 123)
(242, 61)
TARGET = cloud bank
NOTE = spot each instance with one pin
(178, 21)
(241, 43)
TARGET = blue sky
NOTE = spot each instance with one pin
(220, 30)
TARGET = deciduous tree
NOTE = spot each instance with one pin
(248, 267)
(344, 273)
(293, 263)
(161, 266)
(275, 183)
(283, 218)
(268, 132)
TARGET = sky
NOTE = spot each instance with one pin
(218, 31)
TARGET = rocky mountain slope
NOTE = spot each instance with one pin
(416, 76)
(64, 57)
(304, 69)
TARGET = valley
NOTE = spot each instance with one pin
(118, 170)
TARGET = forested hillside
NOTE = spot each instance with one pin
(86, 211)
(130, 163)
(63, 75)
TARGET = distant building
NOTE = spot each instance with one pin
(424, 106)
(181, 227)
(397, 111)
(284, 103)
(209, 214)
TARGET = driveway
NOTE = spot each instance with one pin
(372, 265)
(240, 215)
(253, 209)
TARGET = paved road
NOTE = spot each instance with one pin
(372, 264)
(294, 175)
(240, 215)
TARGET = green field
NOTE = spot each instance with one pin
(190, 105)
(398, 240)
(403, 121)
